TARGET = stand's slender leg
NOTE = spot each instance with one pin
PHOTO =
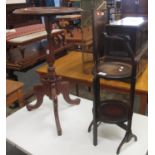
(65, 92)
(89, 128)
(126, 138)
(129, 134)
(55, 104)
(94, 132)
(122, 142)
(39, 92)
(96, 90)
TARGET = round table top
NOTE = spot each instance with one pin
(47, 10)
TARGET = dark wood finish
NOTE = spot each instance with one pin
(52, 85)
(136, 28)
(113, 111)
(134, 7)
(68, 3)
(13, 20)
(36, 3)
(100, 20)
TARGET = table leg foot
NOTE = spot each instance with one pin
(39, 92)
(65, 92)
(126, 138)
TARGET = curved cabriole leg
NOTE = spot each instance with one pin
(126, 138)
(122, 142)
(65, 92)
(39, 92)
(55, 104)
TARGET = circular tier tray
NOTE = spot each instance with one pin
(113, 111)
(114, 70)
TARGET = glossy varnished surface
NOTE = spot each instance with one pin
(71, 67)
(47, 11)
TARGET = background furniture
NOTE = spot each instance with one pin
(134, 8)
(136, 28)
(86, 24)
(70, 67)
(27, 45)
(13, 21)
(69, 23)
(36, 134)
(14, 92)
(70, 3)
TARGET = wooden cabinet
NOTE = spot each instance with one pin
(134, 7)
(143, 7)
(137, 29)
(13, 20)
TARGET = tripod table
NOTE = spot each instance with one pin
(52, 85)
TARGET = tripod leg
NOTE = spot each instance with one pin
(64, 89)
(94, 133)
(55, 104)
(96, 91)
(39, 92)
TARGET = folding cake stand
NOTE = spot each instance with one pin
(52, 85)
